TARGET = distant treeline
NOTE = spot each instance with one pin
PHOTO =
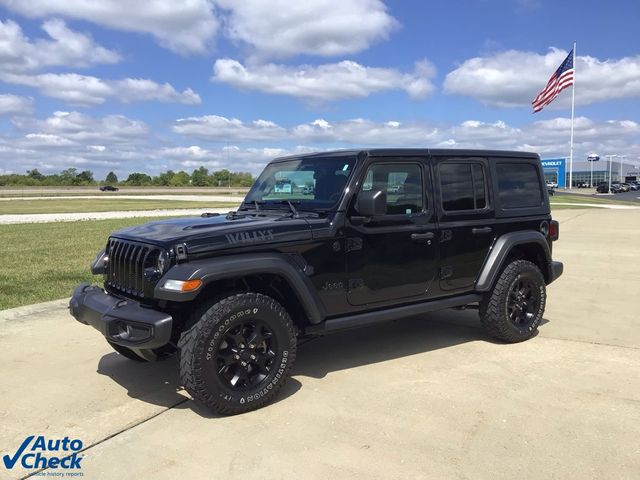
(201, 177)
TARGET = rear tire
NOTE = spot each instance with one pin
(238, 354)
(513, 310)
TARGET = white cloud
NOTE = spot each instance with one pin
(548, 137)
(281, 28)
(15, 105)
(184, 27)
(139, 89)
(34, 140)
(85, 90)
(320, 83)
(64, 48)
(115, 142)
(80, 128)
(354, 131)
(214, 127)
(513, 78)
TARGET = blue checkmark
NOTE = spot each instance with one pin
(10, 462)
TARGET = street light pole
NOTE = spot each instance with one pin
(610, 161)
(591, 179)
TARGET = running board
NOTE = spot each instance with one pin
(368, 318)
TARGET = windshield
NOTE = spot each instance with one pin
(313, 183)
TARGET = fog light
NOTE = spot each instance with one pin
(129, 332)
(182, 285)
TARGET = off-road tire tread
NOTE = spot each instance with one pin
(491, 307)
(190, 361)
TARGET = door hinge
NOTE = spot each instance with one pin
(353, 244)
(446, 272)
(445, 235)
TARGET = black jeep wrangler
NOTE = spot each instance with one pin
(382, 234)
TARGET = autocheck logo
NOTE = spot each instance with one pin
(37, 452)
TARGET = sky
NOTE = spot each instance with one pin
(161, 84)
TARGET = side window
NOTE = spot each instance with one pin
(518, 185)
(402, 184)
(463, 186)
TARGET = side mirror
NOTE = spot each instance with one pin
(371, 203)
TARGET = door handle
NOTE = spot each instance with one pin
(481, 231)
(422, 237)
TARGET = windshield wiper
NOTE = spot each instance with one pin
(294, 211)
(256, 205)
(262, 205)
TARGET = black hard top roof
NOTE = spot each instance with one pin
(406, 152)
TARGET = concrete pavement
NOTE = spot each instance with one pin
(418, 398)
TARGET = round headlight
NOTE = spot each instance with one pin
(163, 262)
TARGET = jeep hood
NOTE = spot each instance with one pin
(203, 234)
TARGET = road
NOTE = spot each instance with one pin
(419, 398)
(115, 198)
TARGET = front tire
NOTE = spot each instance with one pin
(513, 310)
(238, 354)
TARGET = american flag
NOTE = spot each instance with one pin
(561, 79)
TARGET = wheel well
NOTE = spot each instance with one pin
(531, 252)
(271, 285)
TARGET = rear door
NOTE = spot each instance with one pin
(394, 256)
(465, 217)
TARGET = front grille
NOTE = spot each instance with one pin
(126, 266)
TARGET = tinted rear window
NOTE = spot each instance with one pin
(518, 185)
(462, 186)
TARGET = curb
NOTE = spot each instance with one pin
(17, 312)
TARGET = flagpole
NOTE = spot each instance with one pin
(573, 107)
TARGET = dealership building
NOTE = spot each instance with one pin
(557, 170)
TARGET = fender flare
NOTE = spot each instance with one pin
(500, 250)
(230, 266)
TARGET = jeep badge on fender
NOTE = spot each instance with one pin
(324, 242)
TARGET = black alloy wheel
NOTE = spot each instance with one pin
(246, 355)
(522, 302)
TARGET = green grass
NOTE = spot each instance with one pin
(79, 191)
(44, 261)
(565, 201)
(572, 198)
(14, 207)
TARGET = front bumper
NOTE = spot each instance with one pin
(122, 321)
(556, 270)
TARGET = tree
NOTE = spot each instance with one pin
(242, 179)
(85, 177)
(200, 177)
(180, 179)
(69, 176)
(35, 174)
(111, 178)
(164, 178)
(138, 179)
(221, 178)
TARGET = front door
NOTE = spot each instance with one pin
(393, 256)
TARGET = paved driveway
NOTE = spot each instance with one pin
(418, 398)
